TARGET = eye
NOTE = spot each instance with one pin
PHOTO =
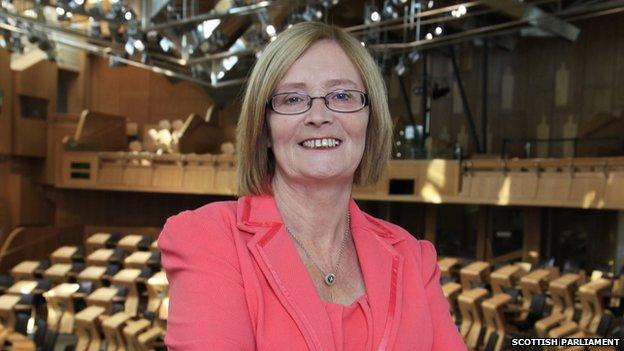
(291, 99)
(342, 96)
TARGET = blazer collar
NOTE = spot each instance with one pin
(277, 257)
(257, 212)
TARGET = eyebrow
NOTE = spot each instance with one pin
(328, 84)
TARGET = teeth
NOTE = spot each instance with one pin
(321, 143)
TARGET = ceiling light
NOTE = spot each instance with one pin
(270, 30)
(69, 15)
(430, 4)
(375, 17)
(129, 47)
(400, 68)
(413, 56)
(438, 30)
(166, 44)
(139, 45)
(429, 36)
(221, 74)
(60, 11)
(128, 15)
(208, 27)
(79, 2)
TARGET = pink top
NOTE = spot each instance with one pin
(350, 325)
(236, 282)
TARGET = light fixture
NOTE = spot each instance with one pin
(389, 11)
(208, 27)
(311, 13)
(60, 11)
(139, 45)
(69, 14)
(129, 46)
(430, 4)
(429, 36)
(375, 17)
(128, 15)
(414, 55)
(165, 44)
(400, 67)
(459, 11)
(270, 30)
(438, 30)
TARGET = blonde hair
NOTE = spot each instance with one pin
(256, 163)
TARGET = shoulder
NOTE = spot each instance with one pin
(424, 250)
(209, 214)
(191, 230)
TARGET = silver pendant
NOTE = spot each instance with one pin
(330, 279)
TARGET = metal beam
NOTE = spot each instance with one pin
(462, 91)
(535, 16)
(236, 11)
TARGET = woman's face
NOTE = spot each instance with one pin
(322, 69)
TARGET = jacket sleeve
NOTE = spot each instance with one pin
(207, 306)
(445, 334)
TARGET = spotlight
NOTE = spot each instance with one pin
(459, 11)
(414, 56)
(375, 17)
(389, 11)
(139, 45)
(429, 36)
(208, 27)
(60, 11)
(270, 30)
(430, 4)
(400, 68)
(438, 30)
(129, 46)
(166, 44)
(128, 15)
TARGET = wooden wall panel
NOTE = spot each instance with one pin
(595, 83)
(40, 81)
(143, 97)
(6, 89)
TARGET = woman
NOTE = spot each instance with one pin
(294, 264)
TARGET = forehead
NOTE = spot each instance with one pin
(322, 66)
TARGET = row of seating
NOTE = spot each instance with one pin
(490, 305)
(110, 294)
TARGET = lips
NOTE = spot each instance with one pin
(320, 143)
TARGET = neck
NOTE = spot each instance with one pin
(314, 212)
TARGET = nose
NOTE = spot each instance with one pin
(318, 114)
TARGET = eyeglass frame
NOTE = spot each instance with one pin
(269, 105)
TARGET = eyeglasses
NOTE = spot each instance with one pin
(338, 101)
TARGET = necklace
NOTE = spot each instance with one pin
(330, 277)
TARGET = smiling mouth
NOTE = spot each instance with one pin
(323, 143)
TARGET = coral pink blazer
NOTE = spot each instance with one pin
(237, 283)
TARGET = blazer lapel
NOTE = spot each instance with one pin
(280, 263)
(382, 268)
(274, 252)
